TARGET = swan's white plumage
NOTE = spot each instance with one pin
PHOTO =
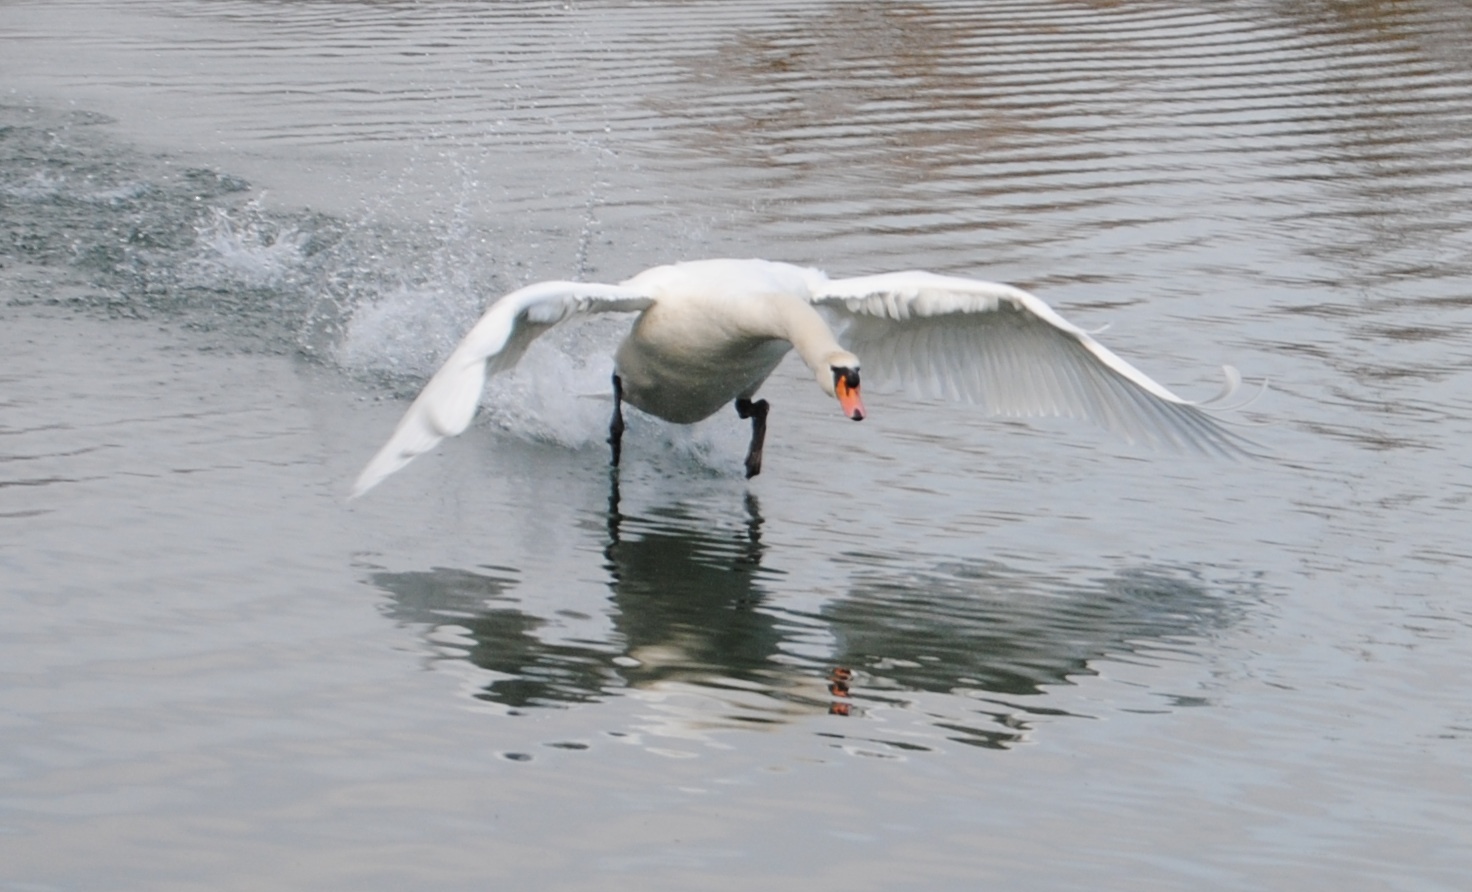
(704, 322)
(448, 402)
(1003, 348)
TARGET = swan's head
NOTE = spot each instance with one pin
(844, 384)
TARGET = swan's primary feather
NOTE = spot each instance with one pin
(1003, 348)
(448, 402)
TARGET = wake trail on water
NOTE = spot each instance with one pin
(379, 299)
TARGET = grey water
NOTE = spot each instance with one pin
(936, 650)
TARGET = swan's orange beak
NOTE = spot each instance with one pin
(846, 388)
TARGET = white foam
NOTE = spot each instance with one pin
(241, 247)
(36, 186)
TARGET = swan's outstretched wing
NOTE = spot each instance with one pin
(1005, 349)
(447, 403)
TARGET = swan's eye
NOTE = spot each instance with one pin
(847, 377)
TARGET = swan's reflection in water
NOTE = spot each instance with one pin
(1000, 637)
(694, 607)
(687, 594)
(984, 625)
(502, 639)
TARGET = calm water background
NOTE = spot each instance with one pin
(236, 235)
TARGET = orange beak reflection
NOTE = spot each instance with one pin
(846, 387)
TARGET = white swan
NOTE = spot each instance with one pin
(709, 332)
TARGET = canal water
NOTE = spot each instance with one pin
(937, 650)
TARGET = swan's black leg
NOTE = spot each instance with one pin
(757, 412)
(616, 426)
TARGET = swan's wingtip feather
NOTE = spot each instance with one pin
(364, 483)
(1233, 377)
(1232, 385)
(371, 476)
(407, 444)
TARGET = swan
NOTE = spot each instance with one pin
(709, 332)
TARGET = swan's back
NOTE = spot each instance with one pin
(727, 279)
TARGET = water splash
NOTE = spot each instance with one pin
(243, 246)
(407, 331)
(379, 300)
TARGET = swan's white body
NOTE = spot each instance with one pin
(709, 332)
(715, 330)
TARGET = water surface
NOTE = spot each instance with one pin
(934, 650)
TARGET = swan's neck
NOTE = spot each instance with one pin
(804, 328)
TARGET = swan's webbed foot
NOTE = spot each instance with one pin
(757, 412)
(616, 426)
